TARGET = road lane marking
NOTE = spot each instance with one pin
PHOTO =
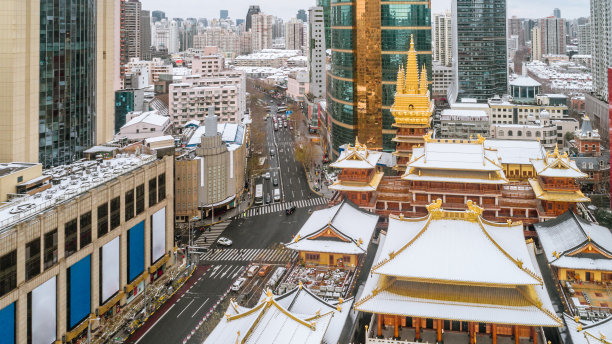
(203, 303)
(155, 323)
(184, 309)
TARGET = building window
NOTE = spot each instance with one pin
(50, 249)
(312, 256)
(115, 212)
(85, 228)
(519, 133)
(70, 235)
(501, 133)
(102, 219)
(152, 192)
(140, 199)
(161, 191)
(129, 205)
(32, 264)
(509, 132)
(8, 272)
(19, 179)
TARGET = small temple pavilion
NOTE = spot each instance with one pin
(270, 322)
(555, 186)
(587, 332)
(411, 110)
(579, 254)
(336, 236)
(359, 176)
(454, 276)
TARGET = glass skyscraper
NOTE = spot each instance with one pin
(67, 95)
(370, 39)
(479, 49)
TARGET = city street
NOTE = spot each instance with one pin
(255, 235)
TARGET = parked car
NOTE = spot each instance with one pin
(267, 176)
(252, 270)
(238, 284)
(264, 270)
(271, 152)
(290, 211)
(268, 198)
(275, 182)
(223, 241)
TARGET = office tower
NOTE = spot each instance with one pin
(145, 35)
(174, 44)
(294, 34)
(584, 39)
(371, 39)
(536, 43)
(239, 21)
(158, 15)
(326, 11)
(301, 15)
(223, 14)
(601, 45)
(262, 31)
(557, 13)
(253, 9)
(442, 38)
(316, 57)
(479, 49)
(553, 36)
(132, 26)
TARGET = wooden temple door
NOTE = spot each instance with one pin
(331, 260)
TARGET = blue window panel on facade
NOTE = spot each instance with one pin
(135, 251)
(7, 324)
(79, 291)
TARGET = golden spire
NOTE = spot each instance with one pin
(400, 80)
(424, 84)
(412, 71)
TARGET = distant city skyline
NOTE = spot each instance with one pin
(287, 9)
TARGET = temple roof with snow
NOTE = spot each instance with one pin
(357, 156)
(557, 165)
(574, 243)
(583, 333)
(343, 228)
(270, 323)
(455, 265)
(444, 160)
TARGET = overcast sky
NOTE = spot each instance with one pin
(288, 8)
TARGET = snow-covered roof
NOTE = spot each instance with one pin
(525, 81)
(302, 300)
(583, 333)
(149, 117)
(437, 283)
(516, 151)
(159, 138)
(557, 165)
(343, 228)
(463, 115)
(567, 234)
(357, 156)
(269, 323)
(231, 133)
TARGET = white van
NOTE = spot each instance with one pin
(238, 284)
(277, 194)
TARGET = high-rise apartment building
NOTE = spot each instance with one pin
(442, 38)
(223, 14)
(145, 35)
(584, 39)
(316, 56)
(174, 43)
(557, 13)
(553, 36)
(301, 15)
(536, 43)
(371, 39)
(278, 28)
(326, 11)
(262, 31)
(479, 49)
(253, 9)
(601, 46)
(294, 34)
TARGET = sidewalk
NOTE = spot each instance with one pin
(245, 204)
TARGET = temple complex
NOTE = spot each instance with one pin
(555, 186)
(411, 110)
(424, 284)
(359, 176)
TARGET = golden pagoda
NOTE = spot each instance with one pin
(412, 108)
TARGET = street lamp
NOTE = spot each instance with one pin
(195, 218)
(89, 329)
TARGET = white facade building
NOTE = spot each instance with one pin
(584, 39)
(536, 43)
(442, 38)
(174, 42)
(317, 56)
(261, 28)
(143, 125)
(601, 45)
(294, 34)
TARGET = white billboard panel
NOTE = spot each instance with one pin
(44, 312)
(158, 237)
(110, 269)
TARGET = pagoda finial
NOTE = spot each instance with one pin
(400, 80)
(424, 83)
(412, 70)
(556, 150)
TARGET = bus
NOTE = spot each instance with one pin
(259, 194)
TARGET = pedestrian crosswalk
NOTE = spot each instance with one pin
(259, 255)
(210, 234)
(272, 208)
